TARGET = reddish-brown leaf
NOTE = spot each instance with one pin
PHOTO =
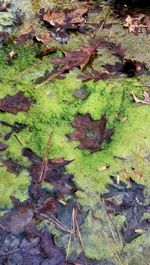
(15, 103)
(46, 51)
(90, 133)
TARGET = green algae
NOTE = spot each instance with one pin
(52, 112)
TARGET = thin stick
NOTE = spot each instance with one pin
(44, 162)
(74, 232)
(69, 239)
(55, 221)
(79, 235)
(111, 221)
(29, 69)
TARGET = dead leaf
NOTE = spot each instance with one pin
(72, 59)
(3, 146)
(54, 172)
(56, 18)
(46, 51)
(15, 103)
(90, 133)
(44, 38)
(137, 23)
(95, 75)
(146, 99)
(25, 36)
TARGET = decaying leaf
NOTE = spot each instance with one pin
(95, 75)
(72, 59)
(54, 172)
(115, 49)
(146, 99)
(12, 166)
(44, 38)
(137, 23)
(128, 67)
(25, 36)
(19, 219)
(90, 133)
(132, 206)
(46, 51)
(15, 103)
(56, 18)
(3, 146)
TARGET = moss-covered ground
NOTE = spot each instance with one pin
(53, 111)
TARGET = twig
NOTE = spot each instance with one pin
(44, 162)
(29, 69)
(79, 235)
(54, 220)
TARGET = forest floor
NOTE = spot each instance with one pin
(74, 134)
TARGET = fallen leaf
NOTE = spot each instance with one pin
(129, 67)
(54, 172)
(72, 59)
(15, 103)
(56, 18)
(25, 36)
(90, 133)
(12, 166)
(46, 51)
(115, 49)
(95, 75)
(137, 23)
(146, 99)
(3, 146)
(132, 206)
(18, 220)
(44, 38)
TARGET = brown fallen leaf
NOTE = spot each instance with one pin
(46, 51)
(90, 133)
(15, 103)
(44, 38)
(25, 36)
(95, 75)
(146, 99)
(56, 18)
(72, 59)
(53, 172)
(137, 23)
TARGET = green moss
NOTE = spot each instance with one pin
(53, 111)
